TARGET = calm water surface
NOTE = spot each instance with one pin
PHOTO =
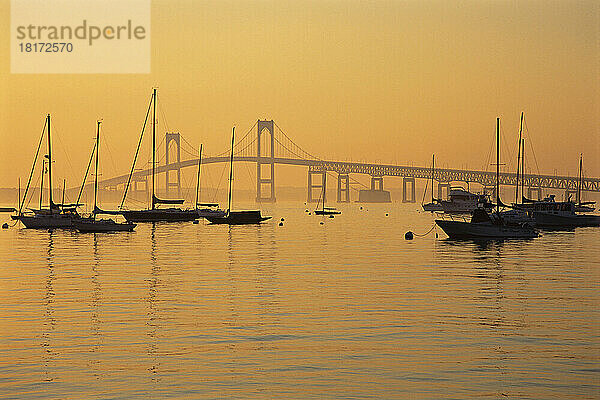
(347, 309)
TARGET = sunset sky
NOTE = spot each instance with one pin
(373, 81)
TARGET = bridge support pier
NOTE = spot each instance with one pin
(265, 177)
(376, 182)
(343, 188)
(138, 193)
(536, 190)
(405, 198)
(572, 193)
(441, 187)
(321, 186)
(173, 137)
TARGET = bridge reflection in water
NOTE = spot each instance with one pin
(266, 145)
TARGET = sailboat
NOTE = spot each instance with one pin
(460, 200)
(484, 224)
(516, 215)
(552, 214)
(205, 209)
(154, 214)
(582, 206)
(92, 224)
(235, 217)
(434, 205)
(56, 215)
(325, 210)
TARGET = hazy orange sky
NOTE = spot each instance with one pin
(377, 81)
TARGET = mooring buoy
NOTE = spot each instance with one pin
(409, 235)
(5, 226)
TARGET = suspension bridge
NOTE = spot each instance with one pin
(266, 145)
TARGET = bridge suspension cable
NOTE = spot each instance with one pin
(299, 151)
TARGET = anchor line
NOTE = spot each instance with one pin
(427, 233)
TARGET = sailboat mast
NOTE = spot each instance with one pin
(153, 141)
(96, 169)
(19, 198)
(519, 160)
(522, 167)
(432, 173)
(49, 164)
(498, 165)
(198, 177)
(580, 181)
(42, 182)
(230, 171)
(63, 191)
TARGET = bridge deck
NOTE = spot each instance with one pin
(441, 175)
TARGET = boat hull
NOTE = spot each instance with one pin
(204, 213)
(104, 225)
(548, 220)
(432, 207)
(161, 215)
(321, 212)
(54, 221)
(239, 218)
(458, 208)
(467, 230)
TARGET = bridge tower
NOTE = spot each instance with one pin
(322, 186)
(265, 127)
(343, 188)
(173, 137)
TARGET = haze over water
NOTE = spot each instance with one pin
(347, 309)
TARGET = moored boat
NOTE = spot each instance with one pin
(549, 213)
(461, 201)
(91, 224)
(56, 215)
(205, 209)
(156, 214)
(236, 217)
(485, 224)
(434, 205)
